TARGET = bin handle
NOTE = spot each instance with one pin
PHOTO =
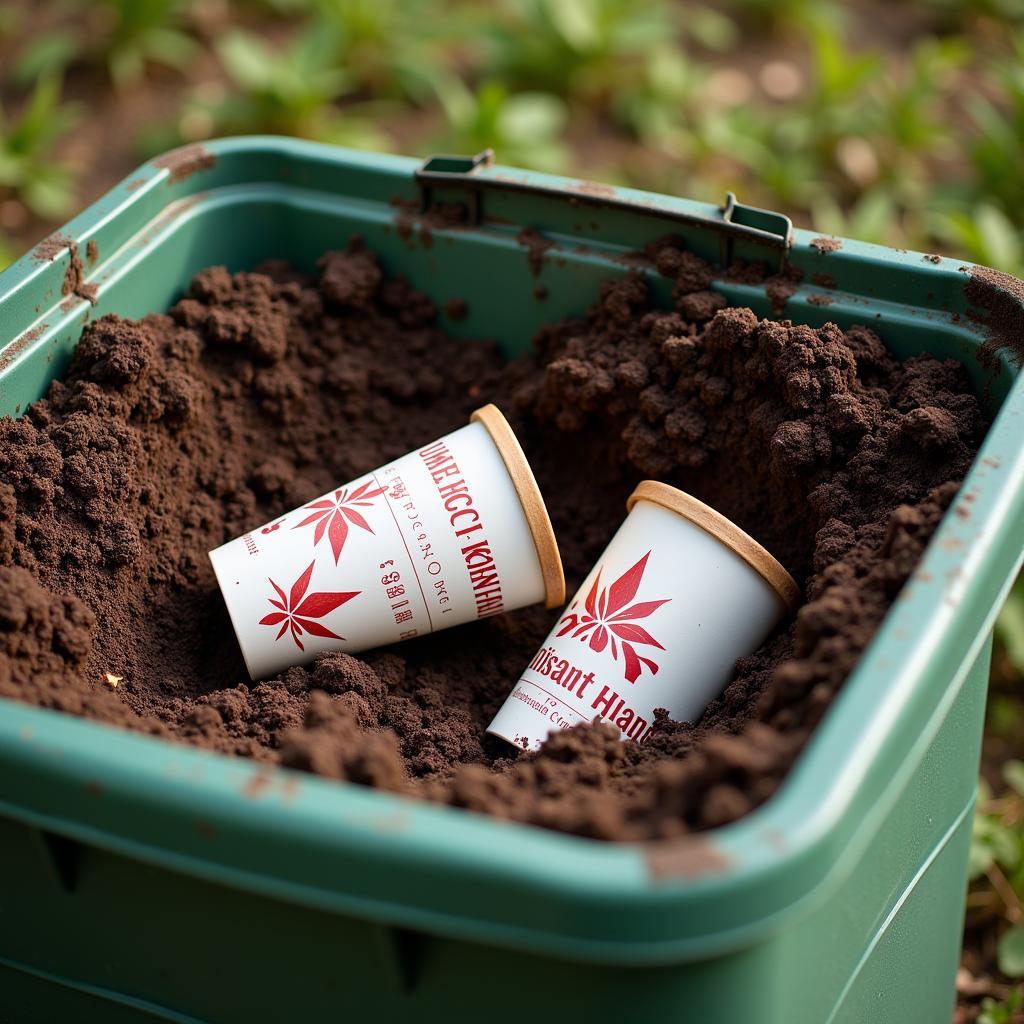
(736, 221)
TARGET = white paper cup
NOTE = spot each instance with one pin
(679, 594)
(452, 532)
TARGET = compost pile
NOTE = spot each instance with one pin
(259, 391)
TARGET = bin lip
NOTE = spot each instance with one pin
(646, 901)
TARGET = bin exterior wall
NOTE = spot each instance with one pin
(145, 879)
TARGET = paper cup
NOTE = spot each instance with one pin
(679, 594)
(452, 532)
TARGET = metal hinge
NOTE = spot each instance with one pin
(762, 229)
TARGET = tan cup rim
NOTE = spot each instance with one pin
(728, 533)
(493, 421)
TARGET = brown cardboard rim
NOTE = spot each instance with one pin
(523, 480)
(742, 544)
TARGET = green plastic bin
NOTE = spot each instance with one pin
(142, 880)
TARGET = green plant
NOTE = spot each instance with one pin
(997, 148)
(392, 48)
(1010, 627)
(7, 253)
(28, 169)
(585, 50)
(523, 128)
(983, 234)
(908, 119)
(1004, 1011)
(123, 35)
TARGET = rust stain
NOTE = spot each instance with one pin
(51, 247)
(595, 188)
(135, 183)
(93, 788)
(826, 245)
(690, 857)
(184, 162)
(206, 829)
(256, 785)
(16, 347)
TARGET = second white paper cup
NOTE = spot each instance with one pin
(678, 595)
(452, 532)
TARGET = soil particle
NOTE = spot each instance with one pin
(51, 247)
(826, 245)
(22, 342)
(74, 276)
(540, 292)
(456, 309)
(780, 288)
(823, 280)
(258, 391)
(536, 245)
(92, 251)
(932, 258)
(1002, 296)
(410, 219)
(184, 162)
(820, 300)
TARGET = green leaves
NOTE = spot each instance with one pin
(27, 167)
(1011, 952)
(524, 127)
(1010, 627)
(1002, 1011)
(122, 35)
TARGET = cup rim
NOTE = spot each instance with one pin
(491, 418)
(724, 530)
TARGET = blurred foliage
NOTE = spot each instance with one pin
(28, 169)
(800, 105)
(1010, 627)
(121, 35)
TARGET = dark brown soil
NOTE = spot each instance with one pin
(1002, 297)
(826, 245)
(257, 391)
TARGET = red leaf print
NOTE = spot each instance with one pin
(631, 631)
(633, 668)
(590, 604)
(300, 586)
(337, 534)
(319, 605)
(624, 589)
(354, 517)
(640, 610)
(333, 516)
(316, 629)
(299, 611)
(570, 621)
(607, 619)
(360, 493)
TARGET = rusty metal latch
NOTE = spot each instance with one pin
(765, 229)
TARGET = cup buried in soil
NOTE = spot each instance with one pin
(678, 595)
(453, 532)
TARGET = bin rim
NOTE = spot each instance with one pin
(340, 847)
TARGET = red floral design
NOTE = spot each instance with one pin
(333, 516)
(296, 611)
(607, 621)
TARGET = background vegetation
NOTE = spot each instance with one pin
(895, 122)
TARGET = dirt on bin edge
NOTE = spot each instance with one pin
(258, 391)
